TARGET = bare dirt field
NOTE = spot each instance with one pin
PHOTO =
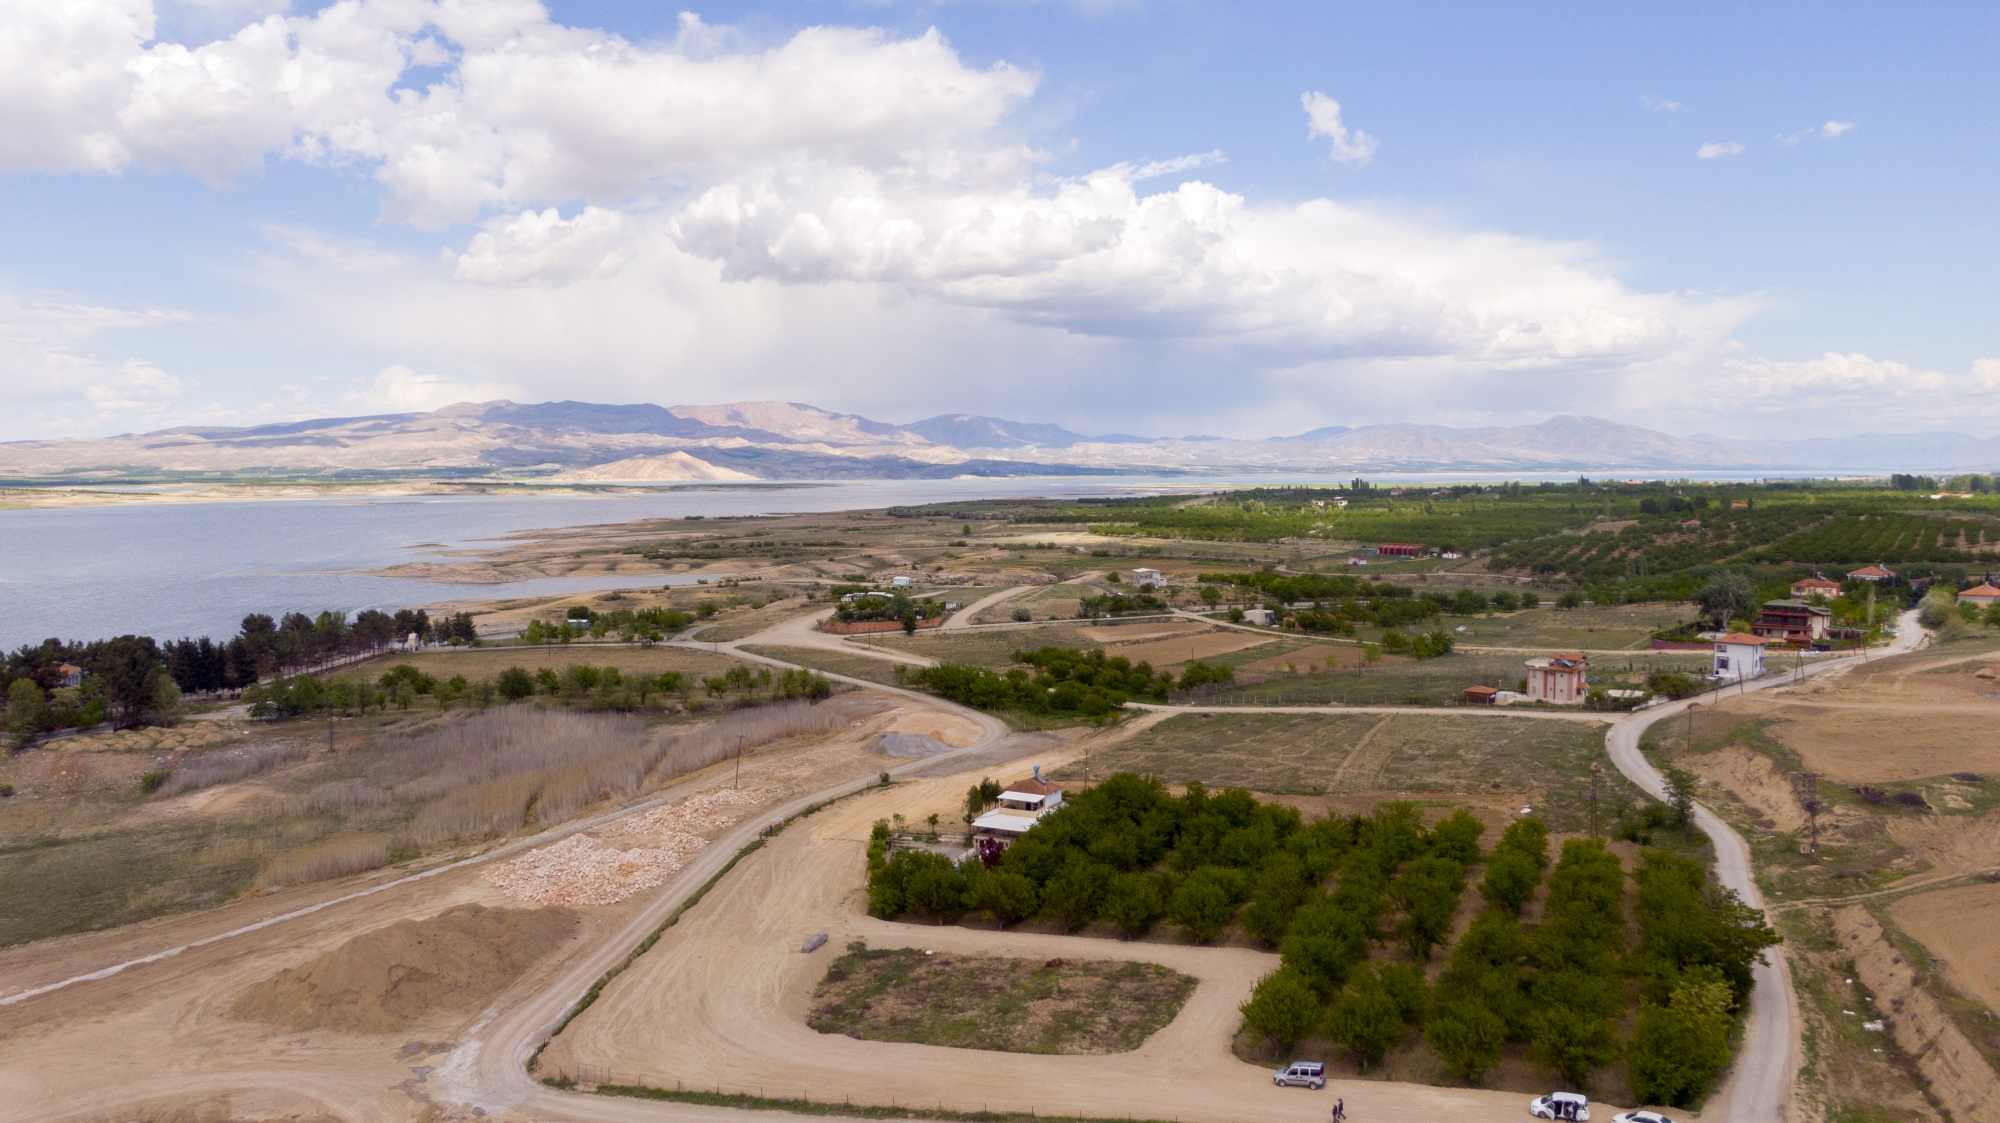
(1182, 650)
(988, 648)
(1959, 926)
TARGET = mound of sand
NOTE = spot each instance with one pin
(385, 980)
(1766, 793)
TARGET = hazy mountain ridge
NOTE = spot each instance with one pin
(784, 440)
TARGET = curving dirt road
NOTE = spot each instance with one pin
(1759, 1084)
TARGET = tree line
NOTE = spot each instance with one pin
(1064, 680)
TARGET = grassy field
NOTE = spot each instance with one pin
(987, 1002)
(1548, 761)
(832, 662)
(987, 648)
(1625, 627)
(1424, 682)
(477, 663)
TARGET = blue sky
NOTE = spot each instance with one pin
(1509, 217)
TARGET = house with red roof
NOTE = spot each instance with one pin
(1873, 573)
(1982, 594)
(1812, 587)
(1562, 678)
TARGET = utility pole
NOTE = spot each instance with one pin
(738, 782)
(1809, 802)
(1596, 771)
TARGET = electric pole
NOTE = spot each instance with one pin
(1596, 771)
(738, 782)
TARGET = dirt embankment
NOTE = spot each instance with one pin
(1754, 779)
(1958, 926)
(1959, 1077)
(386, 980)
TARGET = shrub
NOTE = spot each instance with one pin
(515, 684)
(151, 781)
(1022, 615)
(1912, 799)
(1871, 794)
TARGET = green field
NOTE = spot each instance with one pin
(1549, 760)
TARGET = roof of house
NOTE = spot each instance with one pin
(1981, 590)
(1561, 661)
(1741, 640)
(1002, 819)
(1797, 606)
(1477, 688)
(1872, 571)
(1815, 583)
(70, 669)
(1032, 786)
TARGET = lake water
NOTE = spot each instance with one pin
(189, 569)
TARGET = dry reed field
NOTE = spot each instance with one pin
(106, 854)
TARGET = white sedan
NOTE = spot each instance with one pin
(1640, 1117)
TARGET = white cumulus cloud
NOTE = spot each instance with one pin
(398, 389)
(1323, 120)
(1714, 149)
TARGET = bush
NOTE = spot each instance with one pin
(1912, 799)
(1204, 674)
(151, 781)
(1022, 615)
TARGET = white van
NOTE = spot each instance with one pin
(1312, 1074)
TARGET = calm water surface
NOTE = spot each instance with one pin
(190, 569)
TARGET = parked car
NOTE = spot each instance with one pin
(1312, 1074)
(1640, 1117)
(1561, 1105)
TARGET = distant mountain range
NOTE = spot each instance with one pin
(582, 441)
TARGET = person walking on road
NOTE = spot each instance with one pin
(1340, 1111)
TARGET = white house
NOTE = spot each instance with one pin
(1739, 656)
(1262, 616)
(1020, 807)
(899, 582)
(1148, 579)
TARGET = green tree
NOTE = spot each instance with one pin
(27, 711)
(128, 670)
(1204, 904)
(1679, 1047)
(1572, 1042)
(1323, 944)
(1074, 894)
(1134, 902)
(1511, 877)
(1365, 1018)
(1008, 895)
(1467, 1037)
(1727, 595)
(515, 684)
(1457, 838)
(1283, 1008)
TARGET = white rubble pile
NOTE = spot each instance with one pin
(692, 815)
(581, 871)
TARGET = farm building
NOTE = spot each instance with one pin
(1477, 695)
(1020, 807)
(1982, 594)
(1561, 678)
(1148, 579)
(1263, 616)
(1811, 587)
(1874, 573)
(1739, 656)
(1792, 621)
(1401, 549)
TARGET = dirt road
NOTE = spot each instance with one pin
(1759, 1084)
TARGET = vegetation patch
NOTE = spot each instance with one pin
(989, 1002)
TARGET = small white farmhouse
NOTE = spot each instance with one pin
(1739, 656)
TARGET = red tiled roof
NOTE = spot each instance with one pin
(1981, 590)
(1745, 641)
(1871, 571)
(1481, 689)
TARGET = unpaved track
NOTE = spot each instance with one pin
(1438, 711)
(962, 619)
(1759, 1085)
